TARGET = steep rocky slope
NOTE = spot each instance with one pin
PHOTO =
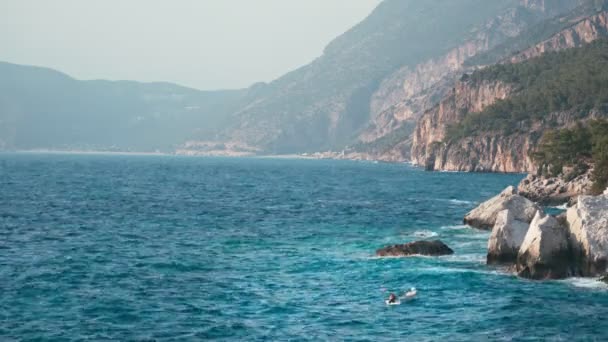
(584, 31)
(404, 95)
(493, 150)
(324, 104)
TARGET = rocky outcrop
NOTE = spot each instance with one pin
(572, 244)
(506, 239)
(588, 221)
(485, 215)
(554, 190)
(545, 252)
(429, 248)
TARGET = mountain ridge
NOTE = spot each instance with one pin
(44, 108)
(364, 94)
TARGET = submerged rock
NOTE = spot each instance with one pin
(545, 252)
(484, 216)
(430, 248)
(506, 239)
(588, 221)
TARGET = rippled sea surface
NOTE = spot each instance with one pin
(166, 248)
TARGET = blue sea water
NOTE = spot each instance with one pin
(167, 248)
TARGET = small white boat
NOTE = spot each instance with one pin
(393, 303)
(411, 293)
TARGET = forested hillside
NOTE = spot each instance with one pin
(495, 116)
(570, 152)
(573, 81)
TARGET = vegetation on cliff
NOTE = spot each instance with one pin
(573, 81)
(572, 151)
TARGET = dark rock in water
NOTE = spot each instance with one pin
(604, 279)
(430, 248)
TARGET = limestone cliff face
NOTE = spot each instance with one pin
(487, 153)
(407, 93)
(428, 149)
(582, 32)
(491, 152)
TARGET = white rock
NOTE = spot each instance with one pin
(484, 216)
(588, 221)
(506, 239)
(606, 192)
(545, 252)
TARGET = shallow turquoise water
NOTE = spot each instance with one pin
(167, 248)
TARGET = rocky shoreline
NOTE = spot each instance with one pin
(536, 245)
(528, 241)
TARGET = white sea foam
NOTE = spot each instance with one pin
(456, 227)
(561, 207)
(472, 258)
(444, 270)
(476, 236)
(587, 283)
(461, 202)
(470, 244)
(424, 234)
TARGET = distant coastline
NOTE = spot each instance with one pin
(88, 152)
(180, 153)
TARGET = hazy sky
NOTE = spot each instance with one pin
(207, 44)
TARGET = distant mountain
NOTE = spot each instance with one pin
(44, 109)
(324, 105)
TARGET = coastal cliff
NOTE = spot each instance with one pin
(403, 97)
(428, 148)
(492, 150)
